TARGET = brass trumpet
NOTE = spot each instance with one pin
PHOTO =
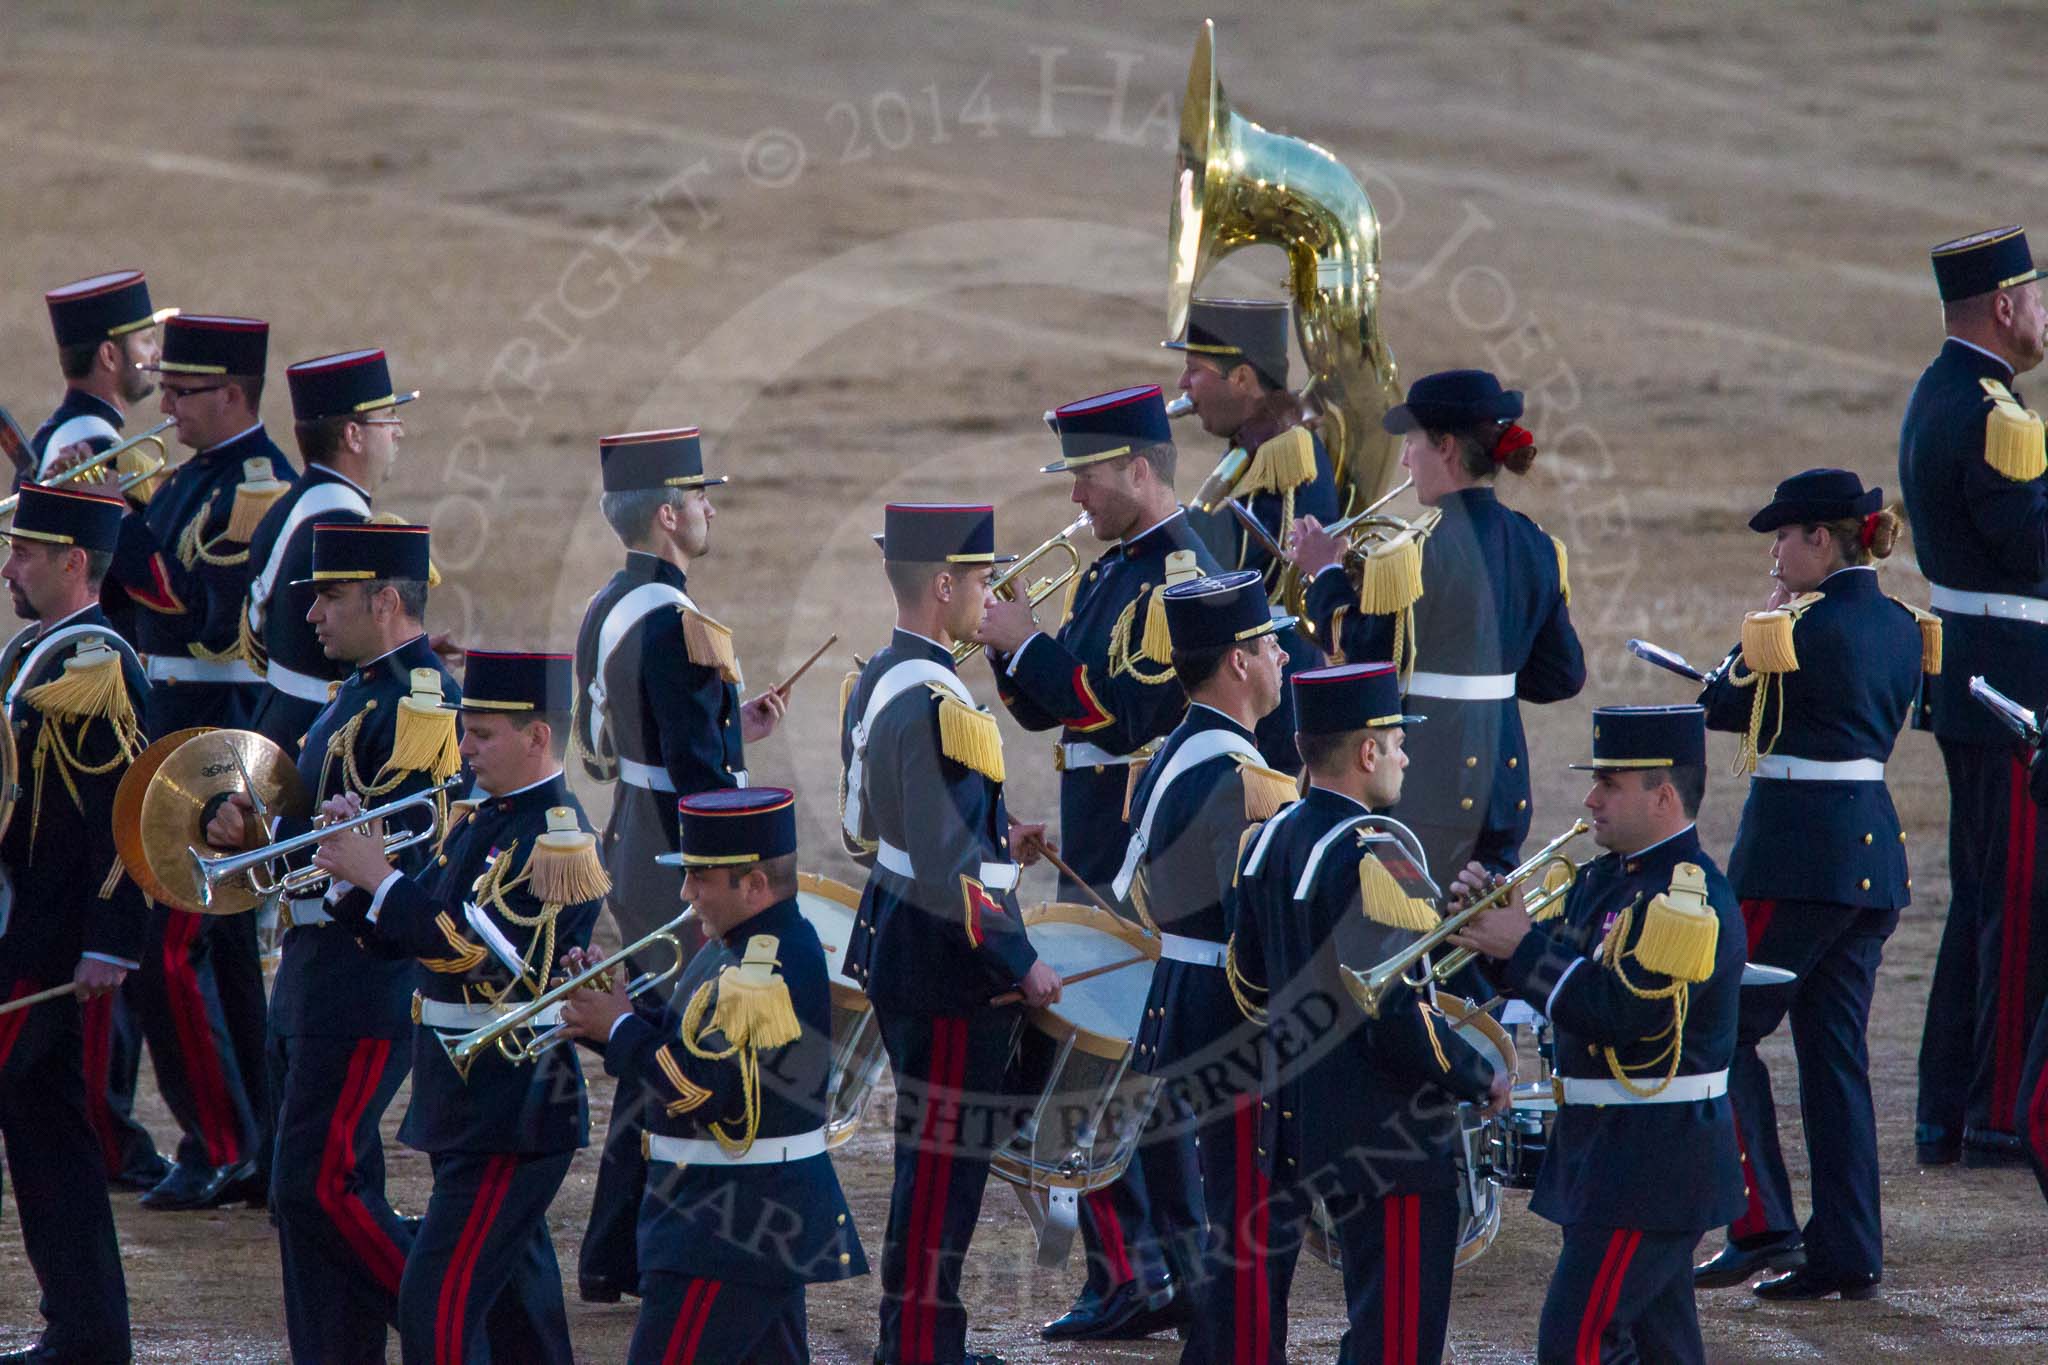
(1005, 584)
(215, 868)
(154, 467)
(500, 1033)
(1372, 988)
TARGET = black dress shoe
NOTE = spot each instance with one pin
(1166, 1310)
(186, 1187)
(237, 1184)
(143, 1175)
(595, 1289)
(1983, 1150)
(1091, 1317)
(40, 1354)
(1936, 1146)
(1811, 1284)
(1738, 1265)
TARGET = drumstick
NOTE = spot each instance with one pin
(805, 667)
(1012, 997)
(1045, 850)
(68, 988)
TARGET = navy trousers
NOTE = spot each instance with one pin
(112, 1057)
(1147, 1227)
(1621, 1295)
(687, 1320)
(2034, 1102)
(1835, 949)
(341, 1246)
(60, 1188)
(1991, 972)
(482, 1286)
(951, 1113)
(193, 990)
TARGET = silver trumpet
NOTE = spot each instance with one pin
(215, 868)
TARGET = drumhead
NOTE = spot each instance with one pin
(830, 907)
(1101, 1014)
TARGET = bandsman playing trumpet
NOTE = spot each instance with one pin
(1104, 678)
(1358, 1111)
(340, 1013)
(516, 884)
(1639, 978)
(735, 1079)
(1471, 602)
(108, 336)
(1820, 686)
(75, 697)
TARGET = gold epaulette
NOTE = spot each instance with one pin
(1767, 636)
(1386, 902)
(1266, 790)
(2013, 438)
(255, 495)
(1930, 635)
(1564, 570)
(754, 1009)
(709, 645)
(1157, 642)
(1391, 578)
(968, 735)
(425, 740)
(563, 868)
(92, 686)
(1285, 462)
(1680, 929)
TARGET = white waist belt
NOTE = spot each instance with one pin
(2003, 605)
(994, 876)
(171, 668)
(1198, 951)
(1463, 686)
(1682, 1090)
(645, 776)
(453, 1014)
(304, 686)
(1079, 753)
(764, 1152)
(1789, 769)
(310, 910)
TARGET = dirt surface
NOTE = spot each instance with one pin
(864, 245)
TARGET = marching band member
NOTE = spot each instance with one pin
(514, 884)
(1360, 1112)
(1822, 684)
(1236, 376)
(108, 338)
(185, 562)
(1639, 978)
(1971, 463)
(75, 697)
(658, 699)
(939, 932)
(1475, 616)
(1105, 678)
(728, 1150)
(345, 417)
(1190, 811)
(340, 1015)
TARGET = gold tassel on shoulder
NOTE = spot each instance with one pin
(1564, 570)
(846, 686)
(1680, 929)
(710, 645)
(1930, 637)
(1767, 642)
(132, 461)
(563, 868)
(2013, 436)
(254, 496)
(1266, 790)
(969, 736)
(1391, 579)
(1387, 903)
(1280, 465)
(1157, 642)
(92, 686)
(426, 741)
(754, 1008)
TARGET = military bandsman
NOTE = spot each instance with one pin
(515, 884)
(1472, 605)
(939, 933)
(108, 339)
(75, 696)
(1971, 465)
(736, 1082)
(1824, 680)
(659, 709)
(1639, 977)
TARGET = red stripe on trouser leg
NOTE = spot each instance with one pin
(1756, 918)
(949, 1075)
(920, 1196)
(928, 1194)
(205, 1077)
(1412, 1316)
(1752, 1220)
(344, 1208)
(97, 1020)
(451, 1311)
(1115, 1254)
(1593, 1321)
(11, 1024)
(672, 1354)
(703, 1321)
(2009, 1021)
(691, 1322)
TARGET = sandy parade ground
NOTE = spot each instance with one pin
(864, 245)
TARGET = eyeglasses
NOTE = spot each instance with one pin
(180, 395)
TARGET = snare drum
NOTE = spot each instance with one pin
(857, 1056)
(1087, 1106)
(1525, 1135)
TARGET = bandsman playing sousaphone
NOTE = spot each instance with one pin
(735, 1076)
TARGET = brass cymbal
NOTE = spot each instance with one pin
(128, 808)
(174, 805)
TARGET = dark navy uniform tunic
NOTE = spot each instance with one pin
(70, 899)
(1106, 704)
(295, 667)
(1493, 605)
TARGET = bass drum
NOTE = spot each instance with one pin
(1479, 1182)
(857, 1055)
